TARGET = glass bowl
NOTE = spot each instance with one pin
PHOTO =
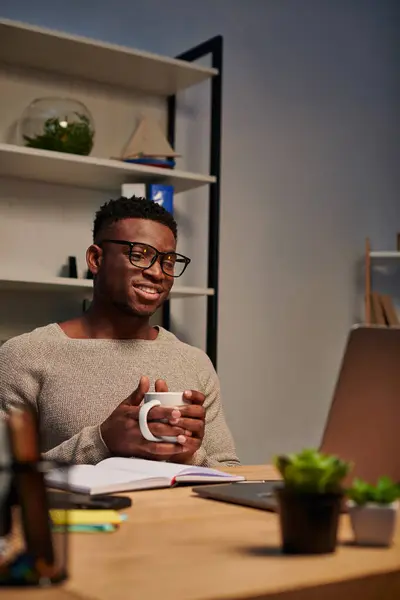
(58, 124)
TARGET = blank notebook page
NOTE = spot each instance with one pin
(89, 476)
(154, 468)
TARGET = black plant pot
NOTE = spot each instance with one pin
(309, 522)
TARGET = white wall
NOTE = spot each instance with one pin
(310, 167)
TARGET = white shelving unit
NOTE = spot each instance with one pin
(33, 47)
(376, 304)
(81, 286)
(36, 61)
(88, 171)
(384, 254)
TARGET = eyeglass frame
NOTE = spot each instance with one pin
(187, 260)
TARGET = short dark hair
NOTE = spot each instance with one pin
(132, 208)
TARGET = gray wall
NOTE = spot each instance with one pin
(310, 167)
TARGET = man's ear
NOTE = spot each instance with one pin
(94, 257)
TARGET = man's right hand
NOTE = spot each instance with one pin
(122, 435)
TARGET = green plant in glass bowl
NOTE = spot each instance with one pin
(58, 124)
(310, 500)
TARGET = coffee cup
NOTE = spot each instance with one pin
(152, 399)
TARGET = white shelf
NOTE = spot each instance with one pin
(384, 254)
(89, 172)
(81, 287)
(190, 292)
(79, 57)
(48, 284)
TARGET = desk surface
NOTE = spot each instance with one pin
(176, 546)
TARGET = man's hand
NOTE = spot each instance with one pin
(192, 420)
(122, 435)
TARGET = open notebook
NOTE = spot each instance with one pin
(129, 474)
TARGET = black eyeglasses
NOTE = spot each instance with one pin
(143, 256)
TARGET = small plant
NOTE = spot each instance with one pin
(310, 472)
(384, 492)
(59, 135)
(310, 501)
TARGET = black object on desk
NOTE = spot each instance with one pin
(256, 494)
(66, 500)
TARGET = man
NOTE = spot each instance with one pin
(86, 378)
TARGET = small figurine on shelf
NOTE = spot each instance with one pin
(72, 267)
(149, 146)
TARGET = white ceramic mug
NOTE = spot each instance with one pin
(151, 399)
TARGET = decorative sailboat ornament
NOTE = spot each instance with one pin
(149, 146)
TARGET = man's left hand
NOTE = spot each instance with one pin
(192, 421)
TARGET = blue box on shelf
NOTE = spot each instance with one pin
(162, 194)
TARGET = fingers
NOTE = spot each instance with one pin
(171, 452)
(168, 451)
(194, 426)
(143, 387)
(164, 449)
(137, 395)
(157, 413)
(192, 411)
(165, 413)
(160, 429)
(161, 386)
(194, 397)
(162, 413)
(190, 448)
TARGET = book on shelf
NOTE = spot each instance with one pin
(383, 310)
(389, 310)
(378, 315)
(115, 474)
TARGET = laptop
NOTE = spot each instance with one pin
(363, 424)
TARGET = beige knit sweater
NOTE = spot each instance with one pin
(74, 384)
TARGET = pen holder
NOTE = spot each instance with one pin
(33, 547)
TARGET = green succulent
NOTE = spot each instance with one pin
(73, 137)
(384, 492)
(310, 471)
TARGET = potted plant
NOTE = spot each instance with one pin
(373, 511)
(310, 501)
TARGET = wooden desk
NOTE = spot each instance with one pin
(176, 546)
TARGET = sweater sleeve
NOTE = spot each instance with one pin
(86, 447)
(20, 384)
(218, 447)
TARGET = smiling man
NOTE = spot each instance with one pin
(86, 378)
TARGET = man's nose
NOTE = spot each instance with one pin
(155, 270)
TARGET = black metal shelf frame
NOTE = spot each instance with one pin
(213, 47)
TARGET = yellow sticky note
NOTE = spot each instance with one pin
(85, 517)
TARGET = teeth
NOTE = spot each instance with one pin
(148, 290)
